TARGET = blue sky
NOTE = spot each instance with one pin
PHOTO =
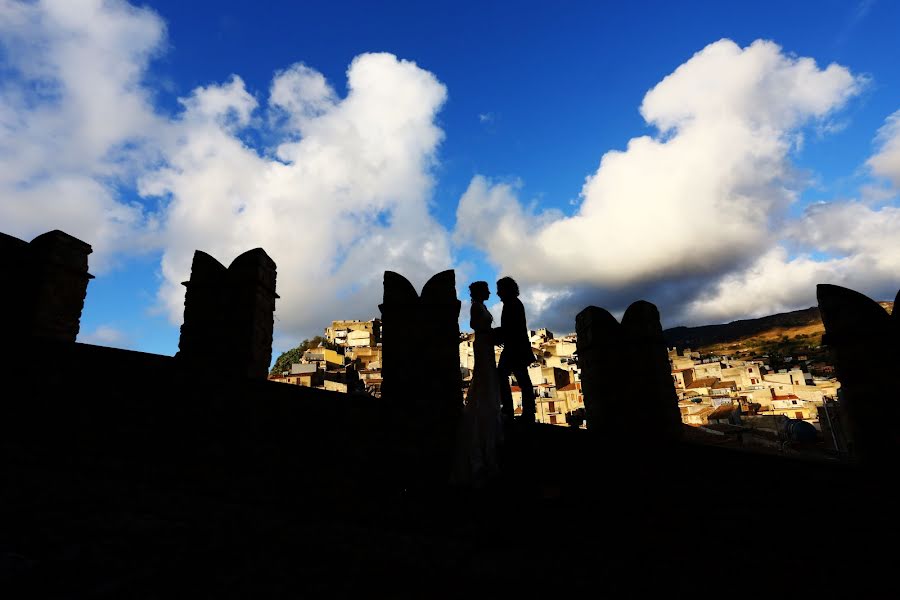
(746, 176)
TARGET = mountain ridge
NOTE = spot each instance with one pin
(806, 322)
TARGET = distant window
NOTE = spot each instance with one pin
(793, 402)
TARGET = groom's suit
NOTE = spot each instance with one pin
(516, 357)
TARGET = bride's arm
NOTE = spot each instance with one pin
(480, 318)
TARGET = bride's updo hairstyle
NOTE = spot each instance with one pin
(479, 290)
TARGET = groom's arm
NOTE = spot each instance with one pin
(517, 324)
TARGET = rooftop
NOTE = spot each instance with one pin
(723, 385)
(703, 383)
(722, 411)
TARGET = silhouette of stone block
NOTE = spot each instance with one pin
(863, 340)
(420, 365)
(204, 330)
(648, 361)
(625, 375)
(401, 380)
(229, 314)
(51, 275)
(599, 352)
(15, 300)
(252, 311)
(440, 336)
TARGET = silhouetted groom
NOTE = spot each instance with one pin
(516, 355)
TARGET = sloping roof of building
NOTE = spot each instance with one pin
(786, 397)
(571, 387)
(721, 411)
(724, 385)
(703, 383)
(703, 412)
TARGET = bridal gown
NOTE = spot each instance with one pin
(480, 432)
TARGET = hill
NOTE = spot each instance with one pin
(779, 336)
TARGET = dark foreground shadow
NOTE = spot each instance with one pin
(153, 480)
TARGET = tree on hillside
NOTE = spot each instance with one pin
(295, 354)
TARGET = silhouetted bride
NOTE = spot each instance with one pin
(480, 431)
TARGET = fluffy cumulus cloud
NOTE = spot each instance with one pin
(343, 197)
(694, 217)
(75, 120)
(340, 195)
(845, 242)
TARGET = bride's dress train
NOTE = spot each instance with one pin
(480, 431)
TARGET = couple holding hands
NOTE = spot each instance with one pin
(489, 400)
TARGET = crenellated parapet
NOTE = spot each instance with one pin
(648, 361)
(48, 279)
(229, 314)
(625, 374)
(599, 345)
(420, 363)
(865, 344)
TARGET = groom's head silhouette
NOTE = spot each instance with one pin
(507, 288)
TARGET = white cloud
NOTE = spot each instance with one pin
(75, 119)
(886, 162)
(770, 285)
(106, 335)
(342, 197)
(852, 229)
(856, 244)
(302, 94)
(692, 217)
(679, 210)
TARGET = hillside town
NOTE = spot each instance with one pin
(348, 360)
(730, 397)
(718, 395)
(555, 377)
